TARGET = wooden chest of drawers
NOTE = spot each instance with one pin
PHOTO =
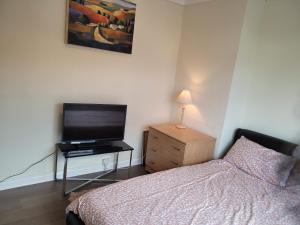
(169, 147)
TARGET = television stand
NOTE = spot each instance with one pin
(83, 150)
(97, 144)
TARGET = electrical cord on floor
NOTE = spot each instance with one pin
(29, 167)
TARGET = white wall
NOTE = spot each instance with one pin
(244, 70)
(265, 94)
(239, 58)
(38, 72)
(209, 45)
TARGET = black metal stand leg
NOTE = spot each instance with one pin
(55, 169)
(116, 165)
(65, 176)
(117, 161)
(130, 162)
(130, 159)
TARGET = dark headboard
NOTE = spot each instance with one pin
(276, 144)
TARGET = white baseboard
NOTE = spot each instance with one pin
(25, 181)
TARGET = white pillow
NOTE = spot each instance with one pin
(263, 163)
(294, 178)
(296, 153)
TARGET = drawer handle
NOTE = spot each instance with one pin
(175, 163)
(154, 150)
(152, 163)
(154, 137)
(177, 149)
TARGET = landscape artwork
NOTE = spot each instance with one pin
(107, 25)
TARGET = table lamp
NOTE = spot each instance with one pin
(184, 98)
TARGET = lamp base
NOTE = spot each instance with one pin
(180, 126)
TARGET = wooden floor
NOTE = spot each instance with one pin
(43, 204)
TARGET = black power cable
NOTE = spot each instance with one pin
(29, 167)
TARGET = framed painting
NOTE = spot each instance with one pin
(107, 25)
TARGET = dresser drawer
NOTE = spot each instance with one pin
(154, 160)
(172, 158)
(162, 142)
(155, 136)
(163, 152)
(174, 148)
(158, 162)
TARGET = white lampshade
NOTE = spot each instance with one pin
(184, 97)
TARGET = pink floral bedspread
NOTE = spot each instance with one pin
(211, 193)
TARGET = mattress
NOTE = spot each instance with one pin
(216, 192)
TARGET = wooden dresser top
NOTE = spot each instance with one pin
(183, 135)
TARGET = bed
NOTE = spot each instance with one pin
(216, 192)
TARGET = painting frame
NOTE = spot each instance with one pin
(101, 24)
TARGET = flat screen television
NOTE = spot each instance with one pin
(93, 122)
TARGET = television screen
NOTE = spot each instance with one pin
(93, 122)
